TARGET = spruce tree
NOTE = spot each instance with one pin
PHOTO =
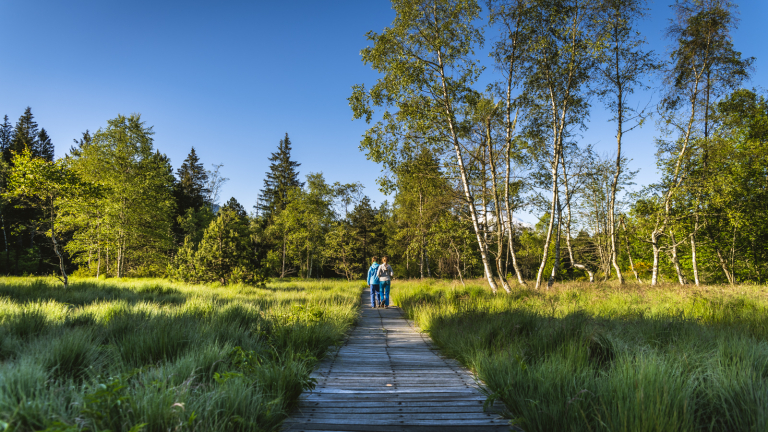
(236, 208)
(191, 186)
(6, 134)
(24, 135)
(44, 146)
(280, 179)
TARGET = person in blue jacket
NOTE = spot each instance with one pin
(373, 283)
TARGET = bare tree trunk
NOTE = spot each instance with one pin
(629, 252)
(724, 265)
(676, 259)
(56, 249)
(458, 262)
(556, 264)
(510, 127)
(497, 208)
(694, 262)
(5, 240)
(282, 270)
(98, 263)
(551, 225)
(568, 197)
(463, 171)
(614, 185)
(655, 235)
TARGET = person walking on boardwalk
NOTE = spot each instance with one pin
(384, 272)
(373, 282)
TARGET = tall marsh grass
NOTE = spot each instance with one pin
(604, 358)
(152, 355)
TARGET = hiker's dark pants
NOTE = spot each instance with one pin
(375, 298)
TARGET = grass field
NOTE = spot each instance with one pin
(156, 356)
(602, 358)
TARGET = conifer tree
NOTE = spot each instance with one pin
(6, 134)
(77, 149)
(223, 252)
(281, 178)
(44, 146)
(235, 207)
(367, 229)
(191, 187)
(24, 135)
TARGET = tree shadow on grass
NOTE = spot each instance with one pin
(83, 293)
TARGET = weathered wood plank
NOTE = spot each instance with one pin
(389, 377)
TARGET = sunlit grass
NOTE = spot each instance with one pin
(116, 355)
(588, 357)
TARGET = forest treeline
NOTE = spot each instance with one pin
(460, 161)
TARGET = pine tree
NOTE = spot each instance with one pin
(44, 148)
(6, 135)
(24, 135)
(191, 187)
(281, 178)
(223, 253)
(367, 229)
(236, 208)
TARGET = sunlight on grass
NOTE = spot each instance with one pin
(599, 357)
(121, 354)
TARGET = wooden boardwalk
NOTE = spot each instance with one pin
(389, 377)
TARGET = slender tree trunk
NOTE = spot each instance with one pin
(655, 235)
(676, 259)
(614, 185)
(510, 127)
(282, 269)
(694, 262)
(56, 249)
(724, 266)
(463, 171)
(458, 263)
(5, 241)
(629, 252)
(568, 198)
(556, 264)
(553, 209)
(497, 208)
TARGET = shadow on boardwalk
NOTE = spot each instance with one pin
(389, 377)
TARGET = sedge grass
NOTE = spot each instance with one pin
(153, 355)
(600, 357)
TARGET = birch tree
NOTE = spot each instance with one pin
(428, 73)
(623, 65)
(703, 62)
(563, 46)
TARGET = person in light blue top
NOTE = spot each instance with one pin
(385, 274)
(373, 282)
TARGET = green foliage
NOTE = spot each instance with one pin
(224, 254)
(130, 220)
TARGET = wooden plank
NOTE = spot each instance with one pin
(389, 377)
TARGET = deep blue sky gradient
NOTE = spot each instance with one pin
(231, 77)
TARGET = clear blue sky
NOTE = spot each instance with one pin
(231, 77)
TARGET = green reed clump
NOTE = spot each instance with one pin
(155, 356)
(606, 358)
